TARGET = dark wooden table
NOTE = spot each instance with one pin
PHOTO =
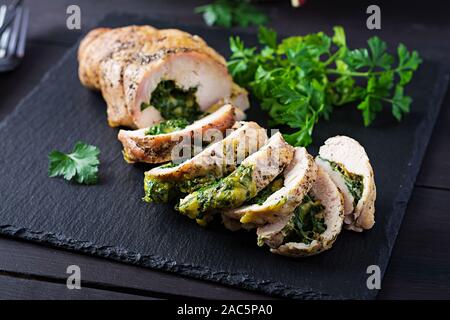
(420, 264)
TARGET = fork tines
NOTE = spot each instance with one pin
(13, 30)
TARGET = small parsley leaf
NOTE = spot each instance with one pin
(218, 13)
(267, 37)
(400, 103)
(81, 165)
(227, 13)
(379, 57)
(339, 37)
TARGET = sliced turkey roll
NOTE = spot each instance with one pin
(347, 163)
(178, 82)
(253, 175)
(112, 67)
(157, 144)
(294, 184)
(219, 159)
(312, 227)
(147, 76)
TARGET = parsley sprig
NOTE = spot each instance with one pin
(227, 13)
(301, 79)
(80, 165)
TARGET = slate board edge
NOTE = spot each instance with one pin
(237, 280)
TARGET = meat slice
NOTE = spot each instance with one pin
(220, 157)
(276, 235)
(254, 173)
(348, 165)
(112, 83)
(217, 160)
(86, 69)
(141, 147)
(299, 176)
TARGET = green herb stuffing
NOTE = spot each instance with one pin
(168, 165)
(162, 191)
(158, 191)
(81, 165)
(229, 192)
(167, 126)
(354, 182)
(262, 196)
(193, 184)
(302, 79)
(307, 223)
(227, 13)
(174, 102)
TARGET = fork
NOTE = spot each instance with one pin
(13, 28)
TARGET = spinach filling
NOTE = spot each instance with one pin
(191, 185)
(167, 126)
(354, 182)
(265, 193)
(168, 165)
(174, 102)
(229, 192)
(307, 223)
(160, 191)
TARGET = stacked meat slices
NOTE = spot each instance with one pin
(127, 64)
(295, 202)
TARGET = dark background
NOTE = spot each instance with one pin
(420, 264)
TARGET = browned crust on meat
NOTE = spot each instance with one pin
(168, 39)
(99, 45)
(84, 72)
(158, 149)
(108, 41)
(153, 150)
(88, 39)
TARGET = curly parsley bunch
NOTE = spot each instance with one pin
(302, 78)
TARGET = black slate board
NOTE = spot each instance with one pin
(109, 219)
